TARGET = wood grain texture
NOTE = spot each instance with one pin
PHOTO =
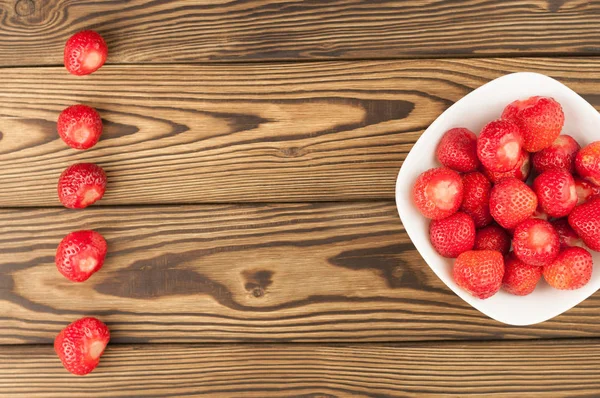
(533, 369)
(33, 32)
(295, 272)
(274, 132)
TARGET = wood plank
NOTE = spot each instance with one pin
(533, 368)
(33, 32)
(245, 133)
(295, 272)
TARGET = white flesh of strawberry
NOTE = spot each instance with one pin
(511, 150)
(90, 196)
(540, 239)
(444, 194)
(96, 349)
(80, 134)
(87, 264)
(92, 60)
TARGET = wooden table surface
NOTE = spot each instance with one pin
(251, 148)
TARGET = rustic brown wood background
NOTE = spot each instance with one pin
(252, 148)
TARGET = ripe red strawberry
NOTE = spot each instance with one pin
(585, 190)
(81, 184)
(585, 220)
(571, 270)
(479, 272)
(85, 53)
(492, 238)
(476, 198)
(521, 171)
(438, 193)
(499, 145)
(560, 155)
(535, 242)
(80, 345)
(512, 202)
(80, 254)
(587, 163)
(556, 192)
(519, 278)
(458, 150)
(567, 236)
(80, 126)
(452, 235)
(540, 120)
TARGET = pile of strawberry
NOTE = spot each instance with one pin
(81, 253)
(481, 206)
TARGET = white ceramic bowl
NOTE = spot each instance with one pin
(473, 111)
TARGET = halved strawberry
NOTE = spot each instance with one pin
(585, 220)
(452, 235)
(520, 172)
(520, 279)
(492, 237)
(567, 235)
(81, 185)
(556, 192)
(571, 270)
(80, 254)
(80, 126)
(587, 163)
(458, 150)
(476, 198)
(560, 155)
(512, 202)
(85, 53)
(540, 120)
(438, 193)
(80, 345)
(535, 242)
(499, 145)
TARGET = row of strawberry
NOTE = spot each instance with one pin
(81, 253)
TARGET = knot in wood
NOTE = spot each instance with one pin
(292, 152)
(257, 282)
(397, 272)
(24, 8)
